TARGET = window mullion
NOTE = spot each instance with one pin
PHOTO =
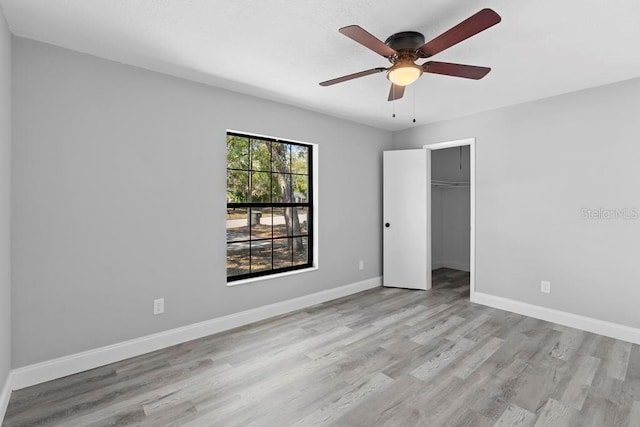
(271, 200)
(249, 199)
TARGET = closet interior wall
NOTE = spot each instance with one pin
(450, 208)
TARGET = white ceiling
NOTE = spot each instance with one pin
(282, 49)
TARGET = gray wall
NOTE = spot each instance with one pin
(537, 166)
(5, 209)
(119, 198)
(450, 209)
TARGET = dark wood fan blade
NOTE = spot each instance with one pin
(396, 92)
(469, 27)
(358, 34)
(456, 70)
(353, 76)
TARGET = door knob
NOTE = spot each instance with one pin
(387, 225)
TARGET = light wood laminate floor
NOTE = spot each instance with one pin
(387, 357)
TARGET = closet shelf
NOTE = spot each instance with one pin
(439, 183)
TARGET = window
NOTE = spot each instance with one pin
(269, 206)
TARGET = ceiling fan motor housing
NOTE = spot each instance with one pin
(405, 41)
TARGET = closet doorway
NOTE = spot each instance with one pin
(451, 207)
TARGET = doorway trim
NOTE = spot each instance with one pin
(471, 142)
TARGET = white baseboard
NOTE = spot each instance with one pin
(450, 264)
(5, 395)
(436, 265)
(602, 327)
(79, 362)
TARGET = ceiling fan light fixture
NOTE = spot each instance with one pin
(404, 74)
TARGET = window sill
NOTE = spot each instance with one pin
(271, 276)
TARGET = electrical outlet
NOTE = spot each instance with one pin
(545, 287)
(158, 306)
(361, 265)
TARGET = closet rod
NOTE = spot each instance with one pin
(450, 183)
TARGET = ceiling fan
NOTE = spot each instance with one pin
(403, 49)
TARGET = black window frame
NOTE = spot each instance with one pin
(309, 205)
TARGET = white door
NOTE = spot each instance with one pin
(406, 221)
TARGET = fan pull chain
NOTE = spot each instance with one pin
(414, 104)
(393, 88)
